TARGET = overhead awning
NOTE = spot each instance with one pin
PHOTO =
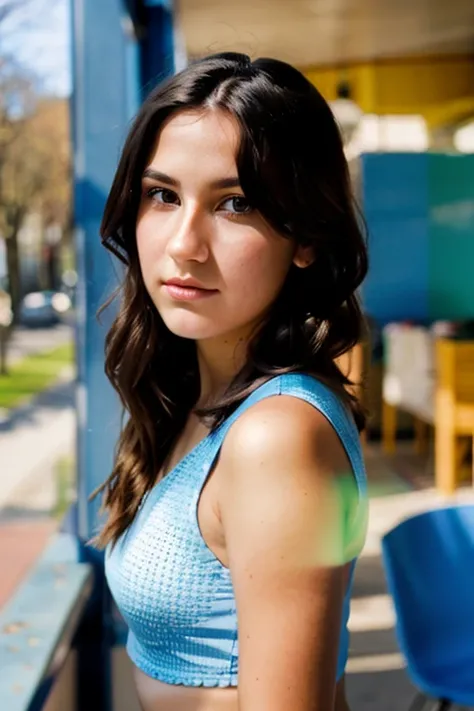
(332, 32)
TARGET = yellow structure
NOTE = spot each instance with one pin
(452, 417)
(399, 58)
(454, 408)
(439, 88)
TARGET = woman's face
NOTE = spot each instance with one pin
(210, 263)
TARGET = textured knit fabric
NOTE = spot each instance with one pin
(175, 596)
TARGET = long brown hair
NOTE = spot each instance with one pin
(292, 169)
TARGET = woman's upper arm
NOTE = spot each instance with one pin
(284, 524)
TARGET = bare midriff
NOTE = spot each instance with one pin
(156, 696)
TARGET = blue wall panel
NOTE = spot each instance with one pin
(394, 183)
(420, 216)
(394, 197)
(451, 257)
(396, 287)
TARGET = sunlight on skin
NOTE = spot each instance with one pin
(339, 533)
(334, 538)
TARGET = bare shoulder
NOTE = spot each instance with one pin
(284, 477)
(287, 430)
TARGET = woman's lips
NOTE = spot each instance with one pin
(188, 293)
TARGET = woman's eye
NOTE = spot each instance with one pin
(237, 205)
(162, 196)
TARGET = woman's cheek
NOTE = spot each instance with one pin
(150, 249)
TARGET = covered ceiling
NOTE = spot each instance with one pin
(327, 32)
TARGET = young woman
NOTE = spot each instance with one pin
(237, 504)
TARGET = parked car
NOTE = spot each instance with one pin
(43, 308)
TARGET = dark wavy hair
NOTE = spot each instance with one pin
(292, 169)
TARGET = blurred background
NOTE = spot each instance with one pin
(400, 80)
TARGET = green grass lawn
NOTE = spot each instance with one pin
(33, 374)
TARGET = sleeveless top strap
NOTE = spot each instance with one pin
(307, 388)
(318, 394)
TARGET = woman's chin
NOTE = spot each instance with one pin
(191, 327)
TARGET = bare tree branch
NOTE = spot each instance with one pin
(20, 16)
(10, 8)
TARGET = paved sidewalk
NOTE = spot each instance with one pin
(31, 442)
(21, 542)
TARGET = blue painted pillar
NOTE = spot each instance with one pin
(105, 96)
(109, 68)
(110, 71)
(158, 47)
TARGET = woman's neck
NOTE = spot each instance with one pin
(219, 362)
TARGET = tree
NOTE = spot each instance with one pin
(32, 148)
(49, 128)
(34, 153)
(35, 176)
(5, 323)
(18, 184)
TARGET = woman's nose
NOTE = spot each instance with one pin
(189, 239)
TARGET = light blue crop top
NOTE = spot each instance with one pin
(175, 596)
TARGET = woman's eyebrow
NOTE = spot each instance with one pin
(226, 183)
(219, 184)
(160, 177)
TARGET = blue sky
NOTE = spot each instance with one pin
(39, 37)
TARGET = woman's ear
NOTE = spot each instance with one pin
(304, 256)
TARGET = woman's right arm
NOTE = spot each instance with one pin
(283, 528)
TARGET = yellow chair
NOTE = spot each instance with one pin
(353, 365)
(454, 409)
(451, 412)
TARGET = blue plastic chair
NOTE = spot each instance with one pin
(429, 565)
